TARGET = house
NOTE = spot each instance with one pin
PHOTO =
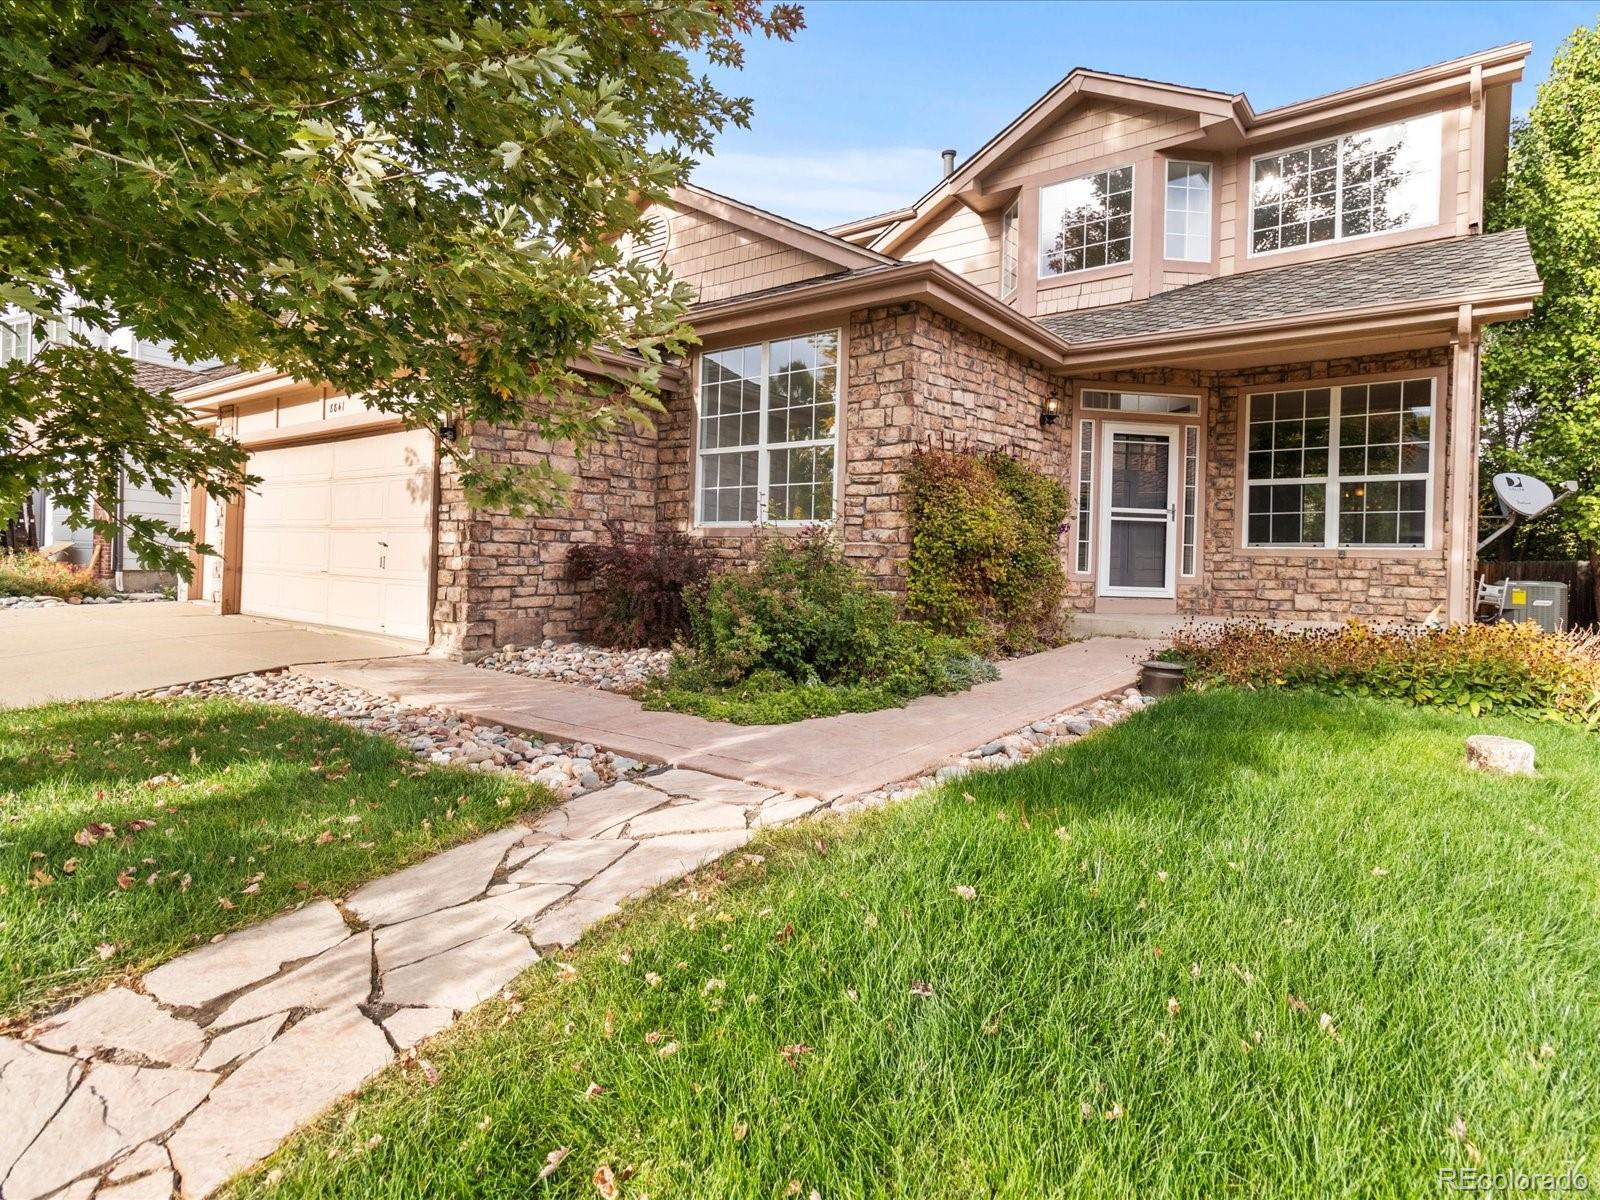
(48, 525)
(1246, 341)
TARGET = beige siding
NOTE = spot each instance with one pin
(1066, 298)
(721, 260)
(1177, 279)
(966, 242)
(1092, 131)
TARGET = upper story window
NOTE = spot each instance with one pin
(1008, 250)
(1188, 229)
(1347, 187)
(769, 431)
(1086, 222)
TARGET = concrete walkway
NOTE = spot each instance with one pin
(78, 652)
(221, 1053)
(828, 757)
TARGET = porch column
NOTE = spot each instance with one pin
(1461, 486)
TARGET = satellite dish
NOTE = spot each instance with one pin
(1522, 495)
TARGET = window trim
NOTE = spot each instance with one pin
(1173, 431)
(1083, 493)
(1211, 210)
(1340, 237)
(1433, 517)
(762, 447)
(1046, 278)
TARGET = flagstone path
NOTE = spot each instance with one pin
(222, 1053)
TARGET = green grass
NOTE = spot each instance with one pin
(253, 805)
(1227, 851)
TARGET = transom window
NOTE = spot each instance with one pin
(769, 431)
(1086, 222)
(1188, 230)
(1347, 187)
(1140, 402)
(1343, 466)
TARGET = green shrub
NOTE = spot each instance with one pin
(30, 573)
(1504, 668)
(804, 634)
(985, 531)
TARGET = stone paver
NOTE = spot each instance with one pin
(300, 1010)
(443, 880)
(267, 1098)
(119, 1020)
(246, 957)
(112, 1110)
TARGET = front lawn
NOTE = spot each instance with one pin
(1242, 944)
(131, 830)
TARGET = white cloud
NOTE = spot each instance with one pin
(824, 188)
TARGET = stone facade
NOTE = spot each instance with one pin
(914, 378)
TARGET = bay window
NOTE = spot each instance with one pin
(1188, 229)
(1340, 466)
(1086, 222)
(1347, 187)
(768, 431)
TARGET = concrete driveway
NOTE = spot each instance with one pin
(77, 653)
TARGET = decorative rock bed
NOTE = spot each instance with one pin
(8, 602)
(576, 662)
(568, 769)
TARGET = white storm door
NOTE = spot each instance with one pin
(1138, 510)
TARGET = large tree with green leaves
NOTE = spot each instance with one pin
(418, 200)
(1541, 376)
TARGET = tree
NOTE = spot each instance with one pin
(417, 200)
(1541, 376)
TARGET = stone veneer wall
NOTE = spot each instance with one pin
(1237, 583)
(503, 579)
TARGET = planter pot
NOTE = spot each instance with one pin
(1161, 678)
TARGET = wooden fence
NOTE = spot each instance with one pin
(1578, 576)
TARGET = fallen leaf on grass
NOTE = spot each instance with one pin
(224, 902)
(593, 1090)
(792, 1054)
(605, 1181)
(324, 837)
(652, 979)
(965, 892)
(106, 950)
(1114, 1113)
(784, 934)
(919, 988)
(668, 1050)
(68, 867)
(740, 1131)
(1173, 1007)
(1326, 1024)
(1296, 1003)
(125, 879)
(553, 1160)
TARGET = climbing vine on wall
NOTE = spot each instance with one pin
(985, 558)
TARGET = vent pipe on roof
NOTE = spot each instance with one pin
(949, 163)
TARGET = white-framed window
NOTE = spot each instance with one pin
(1341, 466)
(1086, 222)
(1085, 529)
(16, 338)
(1191, 496)
(1140, 402)
(1009, 250)
(769, 431)
(1188, 226)
(1347, 187)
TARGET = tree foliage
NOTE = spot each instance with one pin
(417, 200)
(1541, 376)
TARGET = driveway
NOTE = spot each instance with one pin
(77, 653)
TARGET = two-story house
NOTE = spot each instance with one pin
(1246, 341)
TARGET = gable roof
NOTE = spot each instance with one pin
(815, 242)
(1456, 271)
(159, 377)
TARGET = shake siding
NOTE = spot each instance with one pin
(1072, 296)
(1091, 131)
(720, 260)
(966, 242)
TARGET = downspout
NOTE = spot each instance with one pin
(116, 542)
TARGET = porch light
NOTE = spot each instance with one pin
(1051, 412)
(447, 431)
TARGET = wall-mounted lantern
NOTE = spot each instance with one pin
(1050, 412)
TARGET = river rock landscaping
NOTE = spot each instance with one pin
(568, 769)
(16, 602)
(577, 662)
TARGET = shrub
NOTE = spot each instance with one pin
(30, 573)
(1502, 668)
(644, 585)
(984, 565)
(802, 634)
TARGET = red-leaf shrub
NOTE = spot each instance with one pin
(643, 585)
(32, 574)
(1502, 668)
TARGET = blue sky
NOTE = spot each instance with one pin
(850, 116)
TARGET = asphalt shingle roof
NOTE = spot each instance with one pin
(156, 377)
(1427, 271)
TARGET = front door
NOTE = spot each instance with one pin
(1138, 510)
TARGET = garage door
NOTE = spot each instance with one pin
(339, 533)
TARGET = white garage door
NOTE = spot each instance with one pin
(339, 533)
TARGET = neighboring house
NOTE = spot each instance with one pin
(1246, 341)
(155, 369)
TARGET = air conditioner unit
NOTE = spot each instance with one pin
(1537, 602)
